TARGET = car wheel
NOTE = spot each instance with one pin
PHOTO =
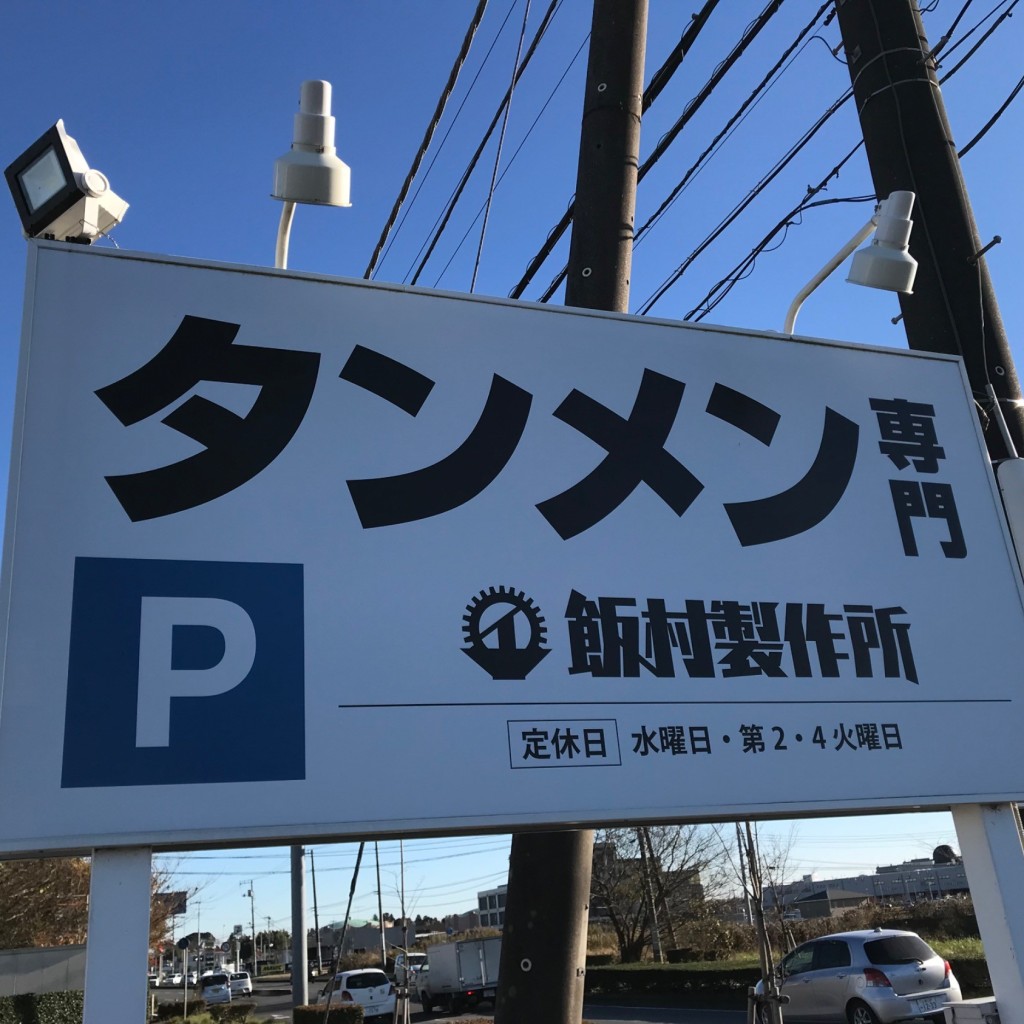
(762, 1015)
(860, 1013)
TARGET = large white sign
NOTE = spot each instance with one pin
(297, 557)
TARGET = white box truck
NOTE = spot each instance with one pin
(458, 975)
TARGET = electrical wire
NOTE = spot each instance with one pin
(1008, 13)
(744, 268)
(449, 87)
(464, 180)
(512, 161)
(749, 35)
(992, 120)
(780, 165)
(934, 51)
(758, 93)
(444, 139)
(659, 80)
(497, 155)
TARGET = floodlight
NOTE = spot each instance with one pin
(887, 263)
(58, 195)
(310, 172)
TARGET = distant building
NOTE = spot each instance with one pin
(491, 907)
(920, 879)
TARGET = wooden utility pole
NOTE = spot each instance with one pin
(910, 146)
(544, 944)
(953, 310)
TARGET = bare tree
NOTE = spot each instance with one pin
(682, 861)
(46, 903)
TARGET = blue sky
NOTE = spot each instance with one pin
(185, 106)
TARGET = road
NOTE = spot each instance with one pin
(274, 1002)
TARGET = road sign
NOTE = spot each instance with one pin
(612, 568)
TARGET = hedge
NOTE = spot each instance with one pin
(338, 1015)
(731, 980)
(730, 983)
(168, 1011)
(47, 1008)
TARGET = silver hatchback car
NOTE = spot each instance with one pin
(865, 977)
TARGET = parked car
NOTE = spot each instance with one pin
(215, 988)
(368, 987)
(172, 978)
(864, 977)
(241, 983)
(153, 979)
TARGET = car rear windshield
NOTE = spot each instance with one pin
(243, 976)
(898, 949)
(370, 980)
(214, 979)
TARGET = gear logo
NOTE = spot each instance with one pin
(505, 632)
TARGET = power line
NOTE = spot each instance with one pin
(744, 268)
(740, 207)
(522, 143)
(497, 155)
(755, 96)
(447, 133)
(442, 102)
(546, 21)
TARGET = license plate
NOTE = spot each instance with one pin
(927, 1005)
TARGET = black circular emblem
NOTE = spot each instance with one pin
(505, 632)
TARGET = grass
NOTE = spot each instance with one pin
(960, 949)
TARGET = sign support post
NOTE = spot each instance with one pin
(117, 943)
(990, 842)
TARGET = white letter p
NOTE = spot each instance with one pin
(159, 683)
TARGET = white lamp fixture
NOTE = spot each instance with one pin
(310, 172)
(58, 195)
(885, 264)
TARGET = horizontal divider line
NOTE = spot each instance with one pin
(675, 703)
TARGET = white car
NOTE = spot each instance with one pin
(865, 977)
(368, 987)
(215, 988)
(241, 983)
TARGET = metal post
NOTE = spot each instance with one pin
(990, 842)
(543, 952)
(118, 936)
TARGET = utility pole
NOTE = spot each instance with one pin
(252, 914)
(300, 955)
(910, 146)
(316, 917)
(953, 310)
(652, 913)
(544, 944)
